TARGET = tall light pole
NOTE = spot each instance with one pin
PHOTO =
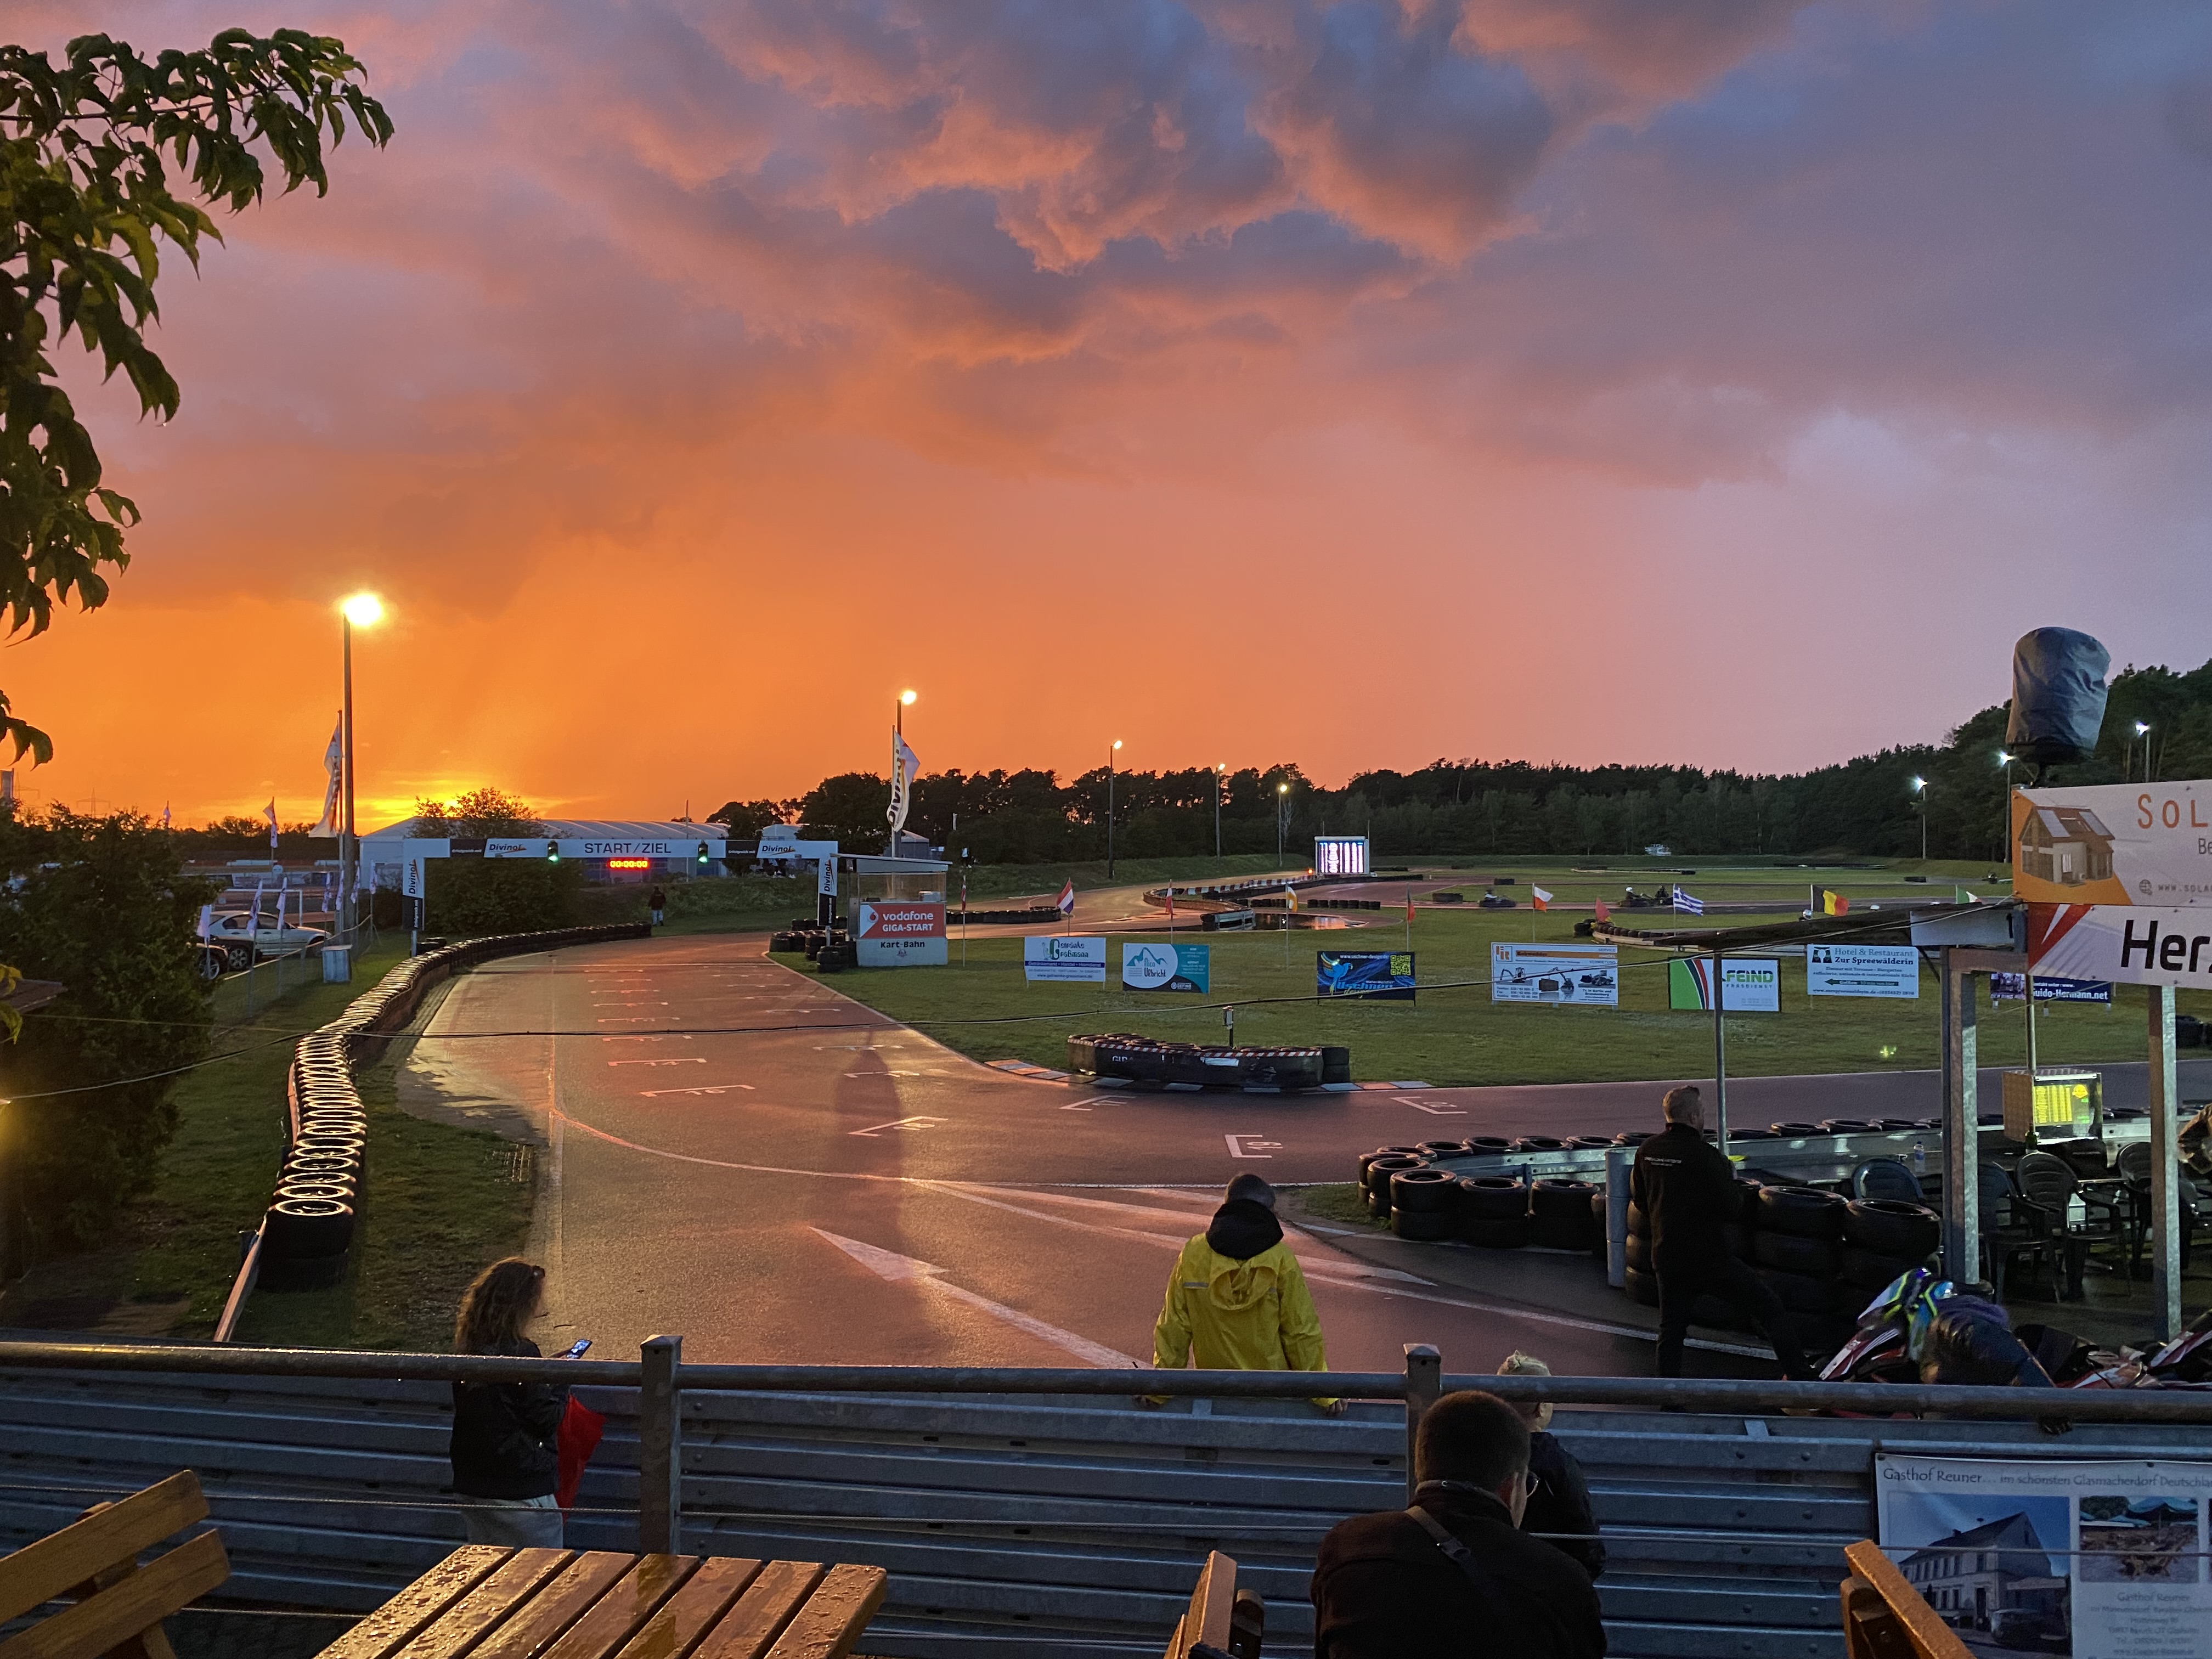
(1220, 771)
(1109, 808)
(1282, 816)
(359, 611)
(2142, 731)
(2004, 817)
(904, 701)
(1920, 788)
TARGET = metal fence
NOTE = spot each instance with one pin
(1028, 1511)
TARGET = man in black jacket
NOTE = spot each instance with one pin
(1687, 1192)
(1454, 1578)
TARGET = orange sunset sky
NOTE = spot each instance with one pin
(1720, 381)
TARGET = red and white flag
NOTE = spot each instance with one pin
(1170, 905)
(1068, 898)
(1409, 906)
(1543, 899)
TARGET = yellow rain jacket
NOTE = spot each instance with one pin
(1227, 1314)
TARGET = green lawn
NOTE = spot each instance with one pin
(1458, 1036)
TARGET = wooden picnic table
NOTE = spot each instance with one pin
(488, 1602)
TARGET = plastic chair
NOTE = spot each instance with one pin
(2048, 1185)
(2134, 1167)
(1887, 1177)
(2008, 1229)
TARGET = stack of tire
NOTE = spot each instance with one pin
(835, 954)
(1147, 1061)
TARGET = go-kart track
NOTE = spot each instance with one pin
(735, 1152)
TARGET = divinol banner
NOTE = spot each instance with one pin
(2133, 943)
(2100, 1559)
(1378, 976)
(1584, 974)
(1064, 957)
(2118, 844)
(1165, 967)
(899, 934)
(1751, 986)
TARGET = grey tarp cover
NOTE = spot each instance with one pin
(2057, 696)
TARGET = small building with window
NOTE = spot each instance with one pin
(1971, 1577)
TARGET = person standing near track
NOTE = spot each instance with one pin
(1236, 1298)
(659, 904)
(505, 1447)
(1687, 1190)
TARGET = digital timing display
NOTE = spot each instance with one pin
(629, 864)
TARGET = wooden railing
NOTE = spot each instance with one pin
(1884, 1618)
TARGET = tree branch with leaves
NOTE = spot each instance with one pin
(86, 148)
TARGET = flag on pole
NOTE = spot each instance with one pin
(270, 812)
(1291, 898)
(1170, 906)
(1966, 897)
(1409, 907)
(165, 815)
(1068, 898)
(333, 775)
(1543, 899)
(1603, 915)
(904, 767)
(1833, 904)
(1688, 904)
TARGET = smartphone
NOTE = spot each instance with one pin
(576, 1350)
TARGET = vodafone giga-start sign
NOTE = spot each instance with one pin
(899, 934)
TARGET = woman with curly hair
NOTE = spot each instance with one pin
(505, 1451)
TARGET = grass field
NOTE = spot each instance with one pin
(440, 1201)
(1454, 1034)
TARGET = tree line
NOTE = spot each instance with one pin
(1867, 806)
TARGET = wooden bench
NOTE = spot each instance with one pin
(1884, 1618)
(118, 1604)
(1223, 1622)
(495, 1603)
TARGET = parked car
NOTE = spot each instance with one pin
(242, 937)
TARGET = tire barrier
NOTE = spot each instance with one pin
(306, 1232)
(1148, 1062)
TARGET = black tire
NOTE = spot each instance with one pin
(1493, 1198)
(1893, 1228)
(344, 1172)
(1487, 1145)
(296, 1229)
(1083, 1053)
(1378, 1180)
(1639, 1225)
(1633, 1137)
(1495, 1235)
(1746, 1194)
(238, 957)
(1599, 1207)
(1644, 1287)
(1335, 1064)
(1794, 1131)
(350, 1145)
(1424, 1191)
(1439, 1148)
(339, 1192)
(1562, 1199)
(1556, 1232)
(1805, 1210)
(1428, 1226)
(1849, 1126)
(1589, 1143)
(1789, 1252)
(1801, 1292)
(1737, 1237)
(1639, 1253)
(1539, 1143)
(1868, 1272)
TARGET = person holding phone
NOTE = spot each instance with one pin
(506, 1440)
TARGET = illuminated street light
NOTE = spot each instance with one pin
(357, 611)
(1109, 808)
(1282, 816)
(1220, 771)
(1920, 788)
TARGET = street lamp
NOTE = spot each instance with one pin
(2142, 731)
(1219, 772)
(358, 610)
(1920, 788)
(1282, 816)
(1109, 808)
(2004, 817)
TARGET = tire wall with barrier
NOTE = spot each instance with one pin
(306, 1232)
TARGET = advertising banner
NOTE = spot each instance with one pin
(2114, 843)
(1340, 855)
(899, 934)
(2100, 1559)
(1064, 957)
(573, 847)
(2012, 987)
(2130, 942)
(1378, 976)
(1862, 970)
(1166, 967)
(1581, 973)
(1750, 984)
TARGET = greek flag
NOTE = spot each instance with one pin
(1688, 903)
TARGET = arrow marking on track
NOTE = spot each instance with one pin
(711, 1089)
(688, 1059)
(1433, 1111)
(903, 1123)
(898, 1269)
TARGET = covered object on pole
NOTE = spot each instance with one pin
(2057, 696)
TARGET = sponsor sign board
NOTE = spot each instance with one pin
(899, 934)
(1340, 855)
(2098, 1558)
(2048, 987)
(1064, 957)
(825, 878)
(533, 846)
(1862, 970)
(2114, 843)
(1166, 967)
(1581, 974)
(1749, 985)
(2133, 943)
(1378, 976)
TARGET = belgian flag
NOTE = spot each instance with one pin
(1833, 904)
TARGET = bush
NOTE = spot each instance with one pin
(471, 898)
(101, 905)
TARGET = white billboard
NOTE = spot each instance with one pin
(2117, 843)
(2133, 943)
(1584, 974)
(899, 934)
(1075, 957)
(1862, 970)
(1340, 855)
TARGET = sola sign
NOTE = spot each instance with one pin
(2118, 843)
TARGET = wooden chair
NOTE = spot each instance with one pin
(118, 1606)
(1884, 1618)
(1223, 1622)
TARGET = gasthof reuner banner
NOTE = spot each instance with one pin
(1378, 976)
(899, 934)
(2101, 1560)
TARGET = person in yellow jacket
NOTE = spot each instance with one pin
(1236, 1299)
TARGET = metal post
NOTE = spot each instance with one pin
(659, 1448)
(1961, 1128)
(1109, 815)
(1720, 1061)
(1424, 1370)
(2164, 1169)
(348, 850)
(1619, 1162)
(1217, 812)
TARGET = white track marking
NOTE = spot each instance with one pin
(682, 1059)
(711, 1089)
(898, 1269)
(909, 1123)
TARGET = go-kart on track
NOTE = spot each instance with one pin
(822, 1184)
